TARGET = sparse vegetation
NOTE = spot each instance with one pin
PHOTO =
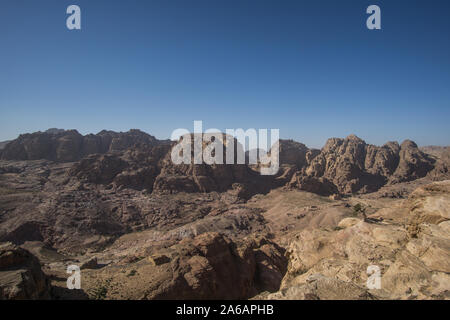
(358, 209)
(100, 292)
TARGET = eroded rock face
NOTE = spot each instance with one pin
(202, 177)
(318, 185)
(136, 168)
(319, 287)
(99, 169)
(413, 163)
(412, 252)
(21, 276)
(430, 203)
(382, 161)
(207, 266)
(353, 166)
(441, 170)
(210, 268)
(293, 153)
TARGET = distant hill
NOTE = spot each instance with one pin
(437, 151)
(54, 131)
(69, 145)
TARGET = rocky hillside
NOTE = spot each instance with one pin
(350, 165)
(409, 243)
(137, 160)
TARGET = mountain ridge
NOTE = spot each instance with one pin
(139, 160)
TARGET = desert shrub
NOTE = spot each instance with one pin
(357, 209)
(100, 292)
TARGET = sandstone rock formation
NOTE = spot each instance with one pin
(201, 177)
(350, 165)
(21, 276)
(294, 153)
(135, 167)
(208, 266)
(441, 155)
(213, 268)
(412, 251)
(413, 163)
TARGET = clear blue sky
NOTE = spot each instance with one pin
(309, 68)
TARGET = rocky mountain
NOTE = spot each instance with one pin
(69, 145)
(116, 201)
(342, 166)
(350, 165)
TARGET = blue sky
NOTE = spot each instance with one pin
(310, 68)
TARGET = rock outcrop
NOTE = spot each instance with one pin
(441, 155)
(208, 266)
(294, 153)
(408, 243)
(192, 177)
(350, 165)
(21, 276)
(413, 163)
(136, 167)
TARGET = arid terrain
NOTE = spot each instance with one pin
(141, 227)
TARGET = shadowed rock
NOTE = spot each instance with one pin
(21, 276)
